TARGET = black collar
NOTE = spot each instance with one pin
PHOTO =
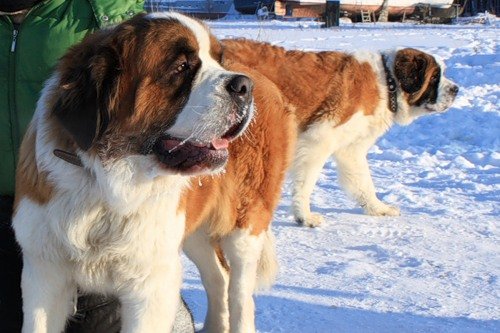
(68, 157)
(391, 87)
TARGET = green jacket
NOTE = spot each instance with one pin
(28, 53)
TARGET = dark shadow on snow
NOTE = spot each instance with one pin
(277, 314)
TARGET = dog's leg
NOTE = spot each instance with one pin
(150, 304)
(150, 300)
(150, 293)
(243, 251)
(312, 153)
(47, 295)
(215, 279)
(355, 178)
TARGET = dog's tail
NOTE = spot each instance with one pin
(268, 262)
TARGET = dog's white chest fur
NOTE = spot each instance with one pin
(102, 249)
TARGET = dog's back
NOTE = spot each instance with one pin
(319, 85)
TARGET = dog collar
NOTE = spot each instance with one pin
(71, 158)
(391, 87)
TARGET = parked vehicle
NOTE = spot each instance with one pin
(205, 9)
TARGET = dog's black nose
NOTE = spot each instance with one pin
(240, 86)
(454, 89)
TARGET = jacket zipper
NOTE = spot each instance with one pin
(15, 32)
(14, 117)
(14, 121)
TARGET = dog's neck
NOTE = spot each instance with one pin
(391, 87)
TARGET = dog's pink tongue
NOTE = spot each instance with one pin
(220, 143)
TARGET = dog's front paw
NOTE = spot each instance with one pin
(207, 329)
(381, 209)
(312, 220)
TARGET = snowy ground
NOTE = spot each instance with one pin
(435, 268)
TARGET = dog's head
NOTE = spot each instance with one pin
(153, 87)
(422, 81)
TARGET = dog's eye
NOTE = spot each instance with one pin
(182, 67)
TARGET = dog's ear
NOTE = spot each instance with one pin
(409, 68)
(88, 78)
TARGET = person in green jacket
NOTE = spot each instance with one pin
(34, 34)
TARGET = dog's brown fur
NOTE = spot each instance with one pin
(320, 85)
(246, 195)
(243, 199)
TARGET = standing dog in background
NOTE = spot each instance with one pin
(343, 104)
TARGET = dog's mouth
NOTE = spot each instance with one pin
(430, 108)
(190, 157)
(438, 107)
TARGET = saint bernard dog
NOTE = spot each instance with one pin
(128, 118)
(343, 103)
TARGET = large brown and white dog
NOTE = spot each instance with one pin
(343, 104)
(133, 111)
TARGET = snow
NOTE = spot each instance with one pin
(433, 269)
